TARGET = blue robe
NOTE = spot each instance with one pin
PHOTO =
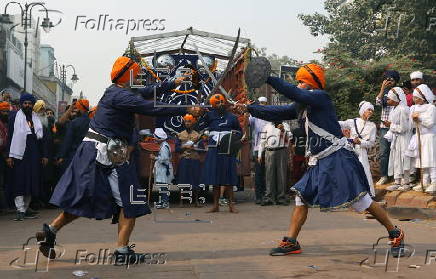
(337, 180)
(84, 189)
(188, 169)
(25, 176)
(76, 131)
(219, 169)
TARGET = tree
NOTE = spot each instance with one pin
(349, 81)
(368, 37)
(371, 29)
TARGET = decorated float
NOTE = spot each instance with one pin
(219, 63)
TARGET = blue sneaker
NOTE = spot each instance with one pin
(396, 237)
(286, 247)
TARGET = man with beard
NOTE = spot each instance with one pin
(39, 109)
(189, 164)
(26, 154)
(416, 79)
(335, 177)
(220, 168)
(4, 115)
(100, 179)
(76, 131)
(257, 125)
(47, 171)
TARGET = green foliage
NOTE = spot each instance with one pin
(368, 37)
(276, 60)
(371, 29)
(349, 81)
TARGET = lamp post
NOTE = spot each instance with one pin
(74, 77)
(26, 23)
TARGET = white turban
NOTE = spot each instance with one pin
(397, 94)
(262, 99)
(426, 91)
(145, 132)
(364, 106)
(38, 106)
(160, 134)
(416, 74)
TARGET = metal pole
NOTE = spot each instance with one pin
(63, 81)
(25, 49)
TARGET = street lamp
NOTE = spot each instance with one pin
(74, 77)
(26, 23)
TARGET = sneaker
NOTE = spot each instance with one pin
(431, 189)
(382, 180)
(162, 205)
(19, 217)
(404, 187)
(46, 240)
(30, 215)
(266, 202)
(393, 187)
(258, 201)
(396, 238)
(286, 247)
(128, 258)
(30, 210)
(223, 202)
(419, 188)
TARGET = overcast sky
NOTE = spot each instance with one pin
(272, 24)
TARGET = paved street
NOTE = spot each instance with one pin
(335, 245)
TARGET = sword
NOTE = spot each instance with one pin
(213, 78)
(421, 171)
(229, 64)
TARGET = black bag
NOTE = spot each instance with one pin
(230, 144)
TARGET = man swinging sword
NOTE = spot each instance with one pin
(335, 177)
(97, 184)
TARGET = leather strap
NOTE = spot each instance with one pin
(422, 95)
(123, 70)
(97, 137)
(314, 76)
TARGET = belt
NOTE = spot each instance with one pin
(97, 137)
(275, 148)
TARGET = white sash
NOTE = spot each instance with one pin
(336, 142)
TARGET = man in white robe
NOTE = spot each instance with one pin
(163, 168)
(423, 118)
(363, 134)
(399, 135)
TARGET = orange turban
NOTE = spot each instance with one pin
(217, 98)
(121, 70)
(92, 112)
(189, 117)
(311, 74)
(82, 105)
(5, 106)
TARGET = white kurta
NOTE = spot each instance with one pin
(427, 127)
(367, 131)
(160, 166)
(401, 135)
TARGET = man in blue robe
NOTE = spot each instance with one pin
(93, 186)
(220, 167)
(26, 154)
(335, 177)
(76, 131)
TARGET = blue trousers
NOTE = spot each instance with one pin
(259, 178)
(385, 149)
